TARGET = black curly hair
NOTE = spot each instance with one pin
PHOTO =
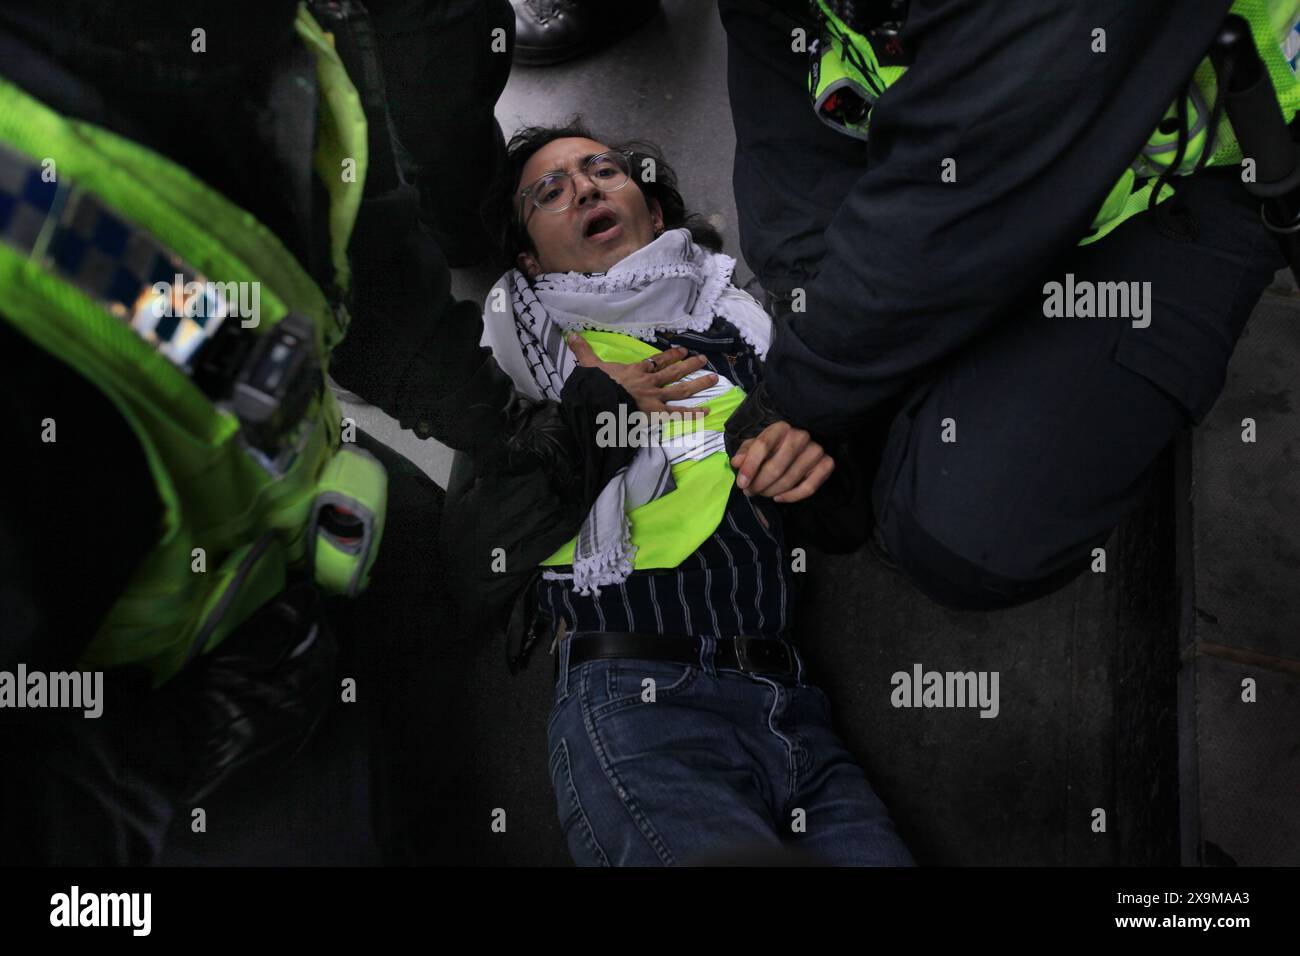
(501, 208)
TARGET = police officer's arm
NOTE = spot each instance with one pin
(1034, 125)
(503, 430)
(413, 351)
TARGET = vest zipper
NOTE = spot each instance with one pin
(223, 605)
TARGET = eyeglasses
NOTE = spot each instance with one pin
(556, 191)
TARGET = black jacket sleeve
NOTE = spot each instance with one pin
(529, 474)
(1040, 127)
(79, 513)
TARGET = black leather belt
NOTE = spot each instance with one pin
(760, 656)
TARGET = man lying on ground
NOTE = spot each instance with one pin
(684, 725)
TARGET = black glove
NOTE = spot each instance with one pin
(539, 437)
(755, 413)
(509, 432)
(261, 690)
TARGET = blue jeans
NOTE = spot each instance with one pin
(719, 767)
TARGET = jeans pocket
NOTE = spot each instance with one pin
(583, 846)
(622, 684)
(558, 708)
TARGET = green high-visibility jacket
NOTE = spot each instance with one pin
(231, 529)
(1274, 24)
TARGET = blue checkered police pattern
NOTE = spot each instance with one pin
(76, 236)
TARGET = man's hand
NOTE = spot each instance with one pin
(782, 463)
(652, 382)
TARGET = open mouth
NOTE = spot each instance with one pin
(603, 225)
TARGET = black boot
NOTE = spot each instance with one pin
(551, 31)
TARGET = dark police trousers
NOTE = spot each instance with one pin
(1058, 421)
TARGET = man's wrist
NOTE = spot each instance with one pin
(754, 414)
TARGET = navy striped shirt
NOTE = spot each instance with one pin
(736, 582)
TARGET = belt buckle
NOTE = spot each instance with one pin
(741, 643)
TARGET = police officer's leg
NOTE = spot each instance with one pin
(400, 642)
(1058, 421)
(444, 67)
(409, 341)
(92, 792)
(791, 170)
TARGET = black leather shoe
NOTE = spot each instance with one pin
(552, 31)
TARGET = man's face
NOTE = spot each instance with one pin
(599, 228)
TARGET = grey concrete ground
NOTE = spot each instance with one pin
(1240, 649)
